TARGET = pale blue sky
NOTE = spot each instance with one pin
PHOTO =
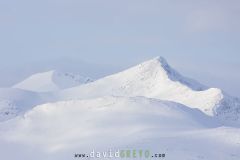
(98, 37)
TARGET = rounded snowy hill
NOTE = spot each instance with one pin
(51, 81)
(58, 130)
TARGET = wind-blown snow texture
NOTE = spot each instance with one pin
(147, 106)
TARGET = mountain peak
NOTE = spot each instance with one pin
(161, 66)
(161, 59)
(157, 60)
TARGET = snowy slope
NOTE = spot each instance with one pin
(14, 102)
(51, 81)
(157, 79)
(34, 91)
(58, 130)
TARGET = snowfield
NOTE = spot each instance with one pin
(149, 106)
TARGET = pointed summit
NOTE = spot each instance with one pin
(164, 70)
(162, 60)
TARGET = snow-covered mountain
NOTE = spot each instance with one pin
(51, 81)
(153, 79)
(149, 106)
(157, 79)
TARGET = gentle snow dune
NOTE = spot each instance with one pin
(58, 130)
(51, 81)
